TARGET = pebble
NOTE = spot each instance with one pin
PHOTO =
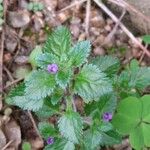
(18, 19)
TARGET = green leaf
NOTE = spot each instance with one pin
(106, 103)
(45, 59)
(146, 39)
(91, 83)
(41, 6)
(58, 42)
(70, 126)
(110, 138)
(17, 97)
(95, 137)
(60, 144)
(47, 109)
(39, 85)
(26, 146)
(108, 64)
(133, 118)
(46, 129)
(30, 6)
(63, 77)
(79, 53)
(37, 51)
(92, 139)
(57, 96)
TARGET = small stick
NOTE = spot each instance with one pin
(1, 54)
(115, 19)
(111, 34)
(4, 148)
(12, 83)
(34, 125)
(129, 7)
(8, 73)
(143, 54)
(73, 4)
(87, 18)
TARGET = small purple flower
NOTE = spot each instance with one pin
(52, 68)
(107, 116)
(50, 140)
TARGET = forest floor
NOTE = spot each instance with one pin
(24, 29)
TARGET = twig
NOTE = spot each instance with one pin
(73, 4)
(129, 7)
(4, 148)
(12, 83)
(143, 54)
(115, 19)
(87, 18)
(34, 125)
(111, 34)
(8, 73)
(1, 54)
(74, 105)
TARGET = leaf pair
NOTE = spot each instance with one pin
(133, 118)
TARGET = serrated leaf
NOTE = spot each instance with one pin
(79, 53)
(39, 85)
(57, 96)
(92, 139)
(70, 126)
(140, 78)
(106, 103)
(146, 39)
(46, 129)
(95, 137)
(110, 138)
(108, 64)
(37, 51)
(63, 77)
(60, 144)
(45, 59)
(91, 83)
(58, 42)
(47, 109)
(17, 97)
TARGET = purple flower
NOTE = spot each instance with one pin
(107, 116)
(52, 68)
(50, 140)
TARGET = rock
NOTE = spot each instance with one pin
(99, 40)
(13, 132)
(97, 19)
(21, 60)
(50, 5)
(36, 143)
(7, 58)
(2, 139)
(10, 43)
(63, 16)
(82, 37)
(18, 19)
(38, 23)
(99, 51)
(75, 30)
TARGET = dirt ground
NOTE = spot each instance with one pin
(24, 29)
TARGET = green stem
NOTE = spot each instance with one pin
(69, 103)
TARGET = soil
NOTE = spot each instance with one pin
(24, 29)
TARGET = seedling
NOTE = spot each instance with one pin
(62, 73)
